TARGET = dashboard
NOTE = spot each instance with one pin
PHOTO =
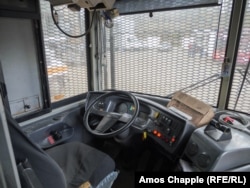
(155, 121)
(214, 147)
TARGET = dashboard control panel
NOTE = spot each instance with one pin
(169, 131)
(166, 129)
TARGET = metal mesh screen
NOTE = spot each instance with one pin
(65, 56)
(239, 98)
(168, 51)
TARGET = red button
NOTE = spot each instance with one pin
(158, 135)
(51, 140)
(173, 139)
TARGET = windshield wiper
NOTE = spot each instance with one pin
(198, 84)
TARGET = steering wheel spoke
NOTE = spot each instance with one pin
(125, 117)
(98, 112)
(109, 119)
(105, 124)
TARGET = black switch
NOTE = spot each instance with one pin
(56, 135)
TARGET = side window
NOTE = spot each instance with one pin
(65, 56)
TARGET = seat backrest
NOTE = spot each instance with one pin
(46, 170)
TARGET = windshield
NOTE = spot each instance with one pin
(170, 51)
(175, 50)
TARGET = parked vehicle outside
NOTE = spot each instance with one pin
(165, 46)
(57, 73)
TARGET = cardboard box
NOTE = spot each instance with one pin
(200, 112)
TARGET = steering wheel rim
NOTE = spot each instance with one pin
(109, 116)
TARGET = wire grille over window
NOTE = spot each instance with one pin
(167, 51)
(65, 56)
(239, 96)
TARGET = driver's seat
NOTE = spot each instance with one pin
(70, 165)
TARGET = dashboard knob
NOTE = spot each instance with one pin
(192, 149)
(203, 160)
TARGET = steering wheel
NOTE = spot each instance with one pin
(108, 122)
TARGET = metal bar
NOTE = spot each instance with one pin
(231, 51)
(9, 168)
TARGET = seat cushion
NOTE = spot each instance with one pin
(82, 163)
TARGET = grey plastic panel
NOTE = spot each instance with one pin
(20, 65)
(207, 154)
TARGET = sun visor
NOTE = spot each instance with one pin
(137, 6)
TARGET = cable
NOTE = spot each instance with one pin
(72, 36)
(194, 86)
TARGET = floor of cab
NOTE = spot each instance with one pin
(135, 158)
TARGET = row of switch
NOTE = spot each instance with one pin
(169, 140)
